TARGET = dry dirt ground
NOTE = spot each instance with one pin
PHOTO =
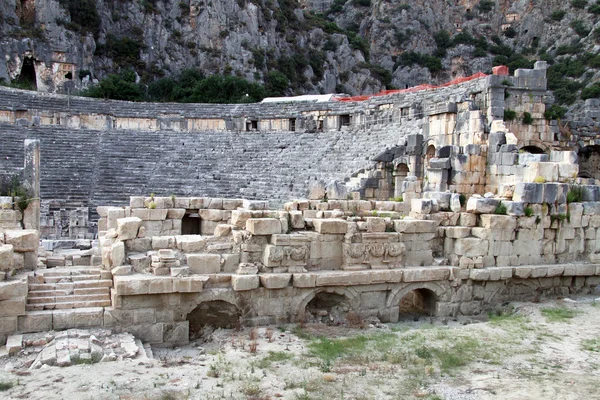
(548, 350)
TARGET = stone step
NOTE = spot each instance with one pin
(67, 305)
(92, 290)
(67, 299)
(48, 293)
(68, 271)
(71, 285)
(71, 278)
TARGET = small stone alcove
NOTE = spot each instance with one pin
(417, 303)
(216, 314)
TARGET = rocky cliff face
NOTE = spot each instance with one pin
(353, 46)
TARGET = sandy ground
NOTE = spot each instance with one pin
(548, 350)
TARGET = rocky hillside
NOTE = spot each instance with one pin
(351, 46)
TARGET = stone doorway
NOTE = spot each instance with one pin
(588, 159)
(328, 308)
(27, 78)
(190, 224)
(214, 314)
(416, 304)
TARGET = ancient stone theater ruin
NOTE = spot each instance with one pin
(433, 201)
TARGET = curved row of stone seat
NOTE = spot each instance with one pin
(15, 99)
(98, 168)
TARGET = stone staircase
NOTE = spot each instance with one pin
(67, 288)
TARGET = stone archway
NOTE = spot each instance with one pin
(27, 77)
(423, 296)
(588, 159)
(532, 150)
(326, 299)
(400, 173)
(218, 307)
(216, 314)
(417, 303)
(429, 154)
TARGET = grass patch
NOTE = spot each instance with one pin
(329, 350)
(558, 314)
(274, 356)
(591, 345)
(6, 385)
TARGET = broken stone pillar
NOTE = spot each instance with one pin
(31, 177)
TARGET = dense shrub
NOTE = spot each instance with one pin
(579, 3)
(510, 115)
(591, 92)
(580, 28)
(558, 15)
(84, 15)
(555, 112)
(527, 118)
(485, 6)
(190, 86)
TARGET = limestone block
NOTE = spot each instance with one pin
(567, 172)
(498, 222)
(443, 199)
(117, 254)
(204, 263)
(467, 219)
(122, 270)
(35, 321)
(529, 192)
(175, 213)
(330, 226)
(127, 228)
(255, 204)
(211, 215)
(222, 230)
(18, 261)
(113, 214)
(6, 257)
(297, 219)
(263, 226)
(77, 318)
(230, 262)
(415, 226)
(6, 202)
(457, 232)
(478, 205)
(305, 280)
(14, 344)
(522, 272)
(126, 285)
(189, 284)
(141, 213)
(346, 278)
(22, 240)
(136, 202)
(471, 247)
(140, 262)
(239, 218)
(164, 242)
(8, 217)
(12, 307)
(480, 274)
(190, 243)
(138, 245)
(232, 204)
(455, 203)
(275, 281)
(546, 171)
(426, 274)
(375, 224)
(161, 284)
(422, 206)
(157, 214)
(386, 276)
(244, 282)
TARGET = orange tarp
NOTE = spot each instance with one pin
(412, 89)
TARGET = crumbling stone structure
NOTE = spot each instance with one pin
(487, 208)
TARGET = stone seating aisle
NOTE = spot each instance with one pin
(67, 288)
